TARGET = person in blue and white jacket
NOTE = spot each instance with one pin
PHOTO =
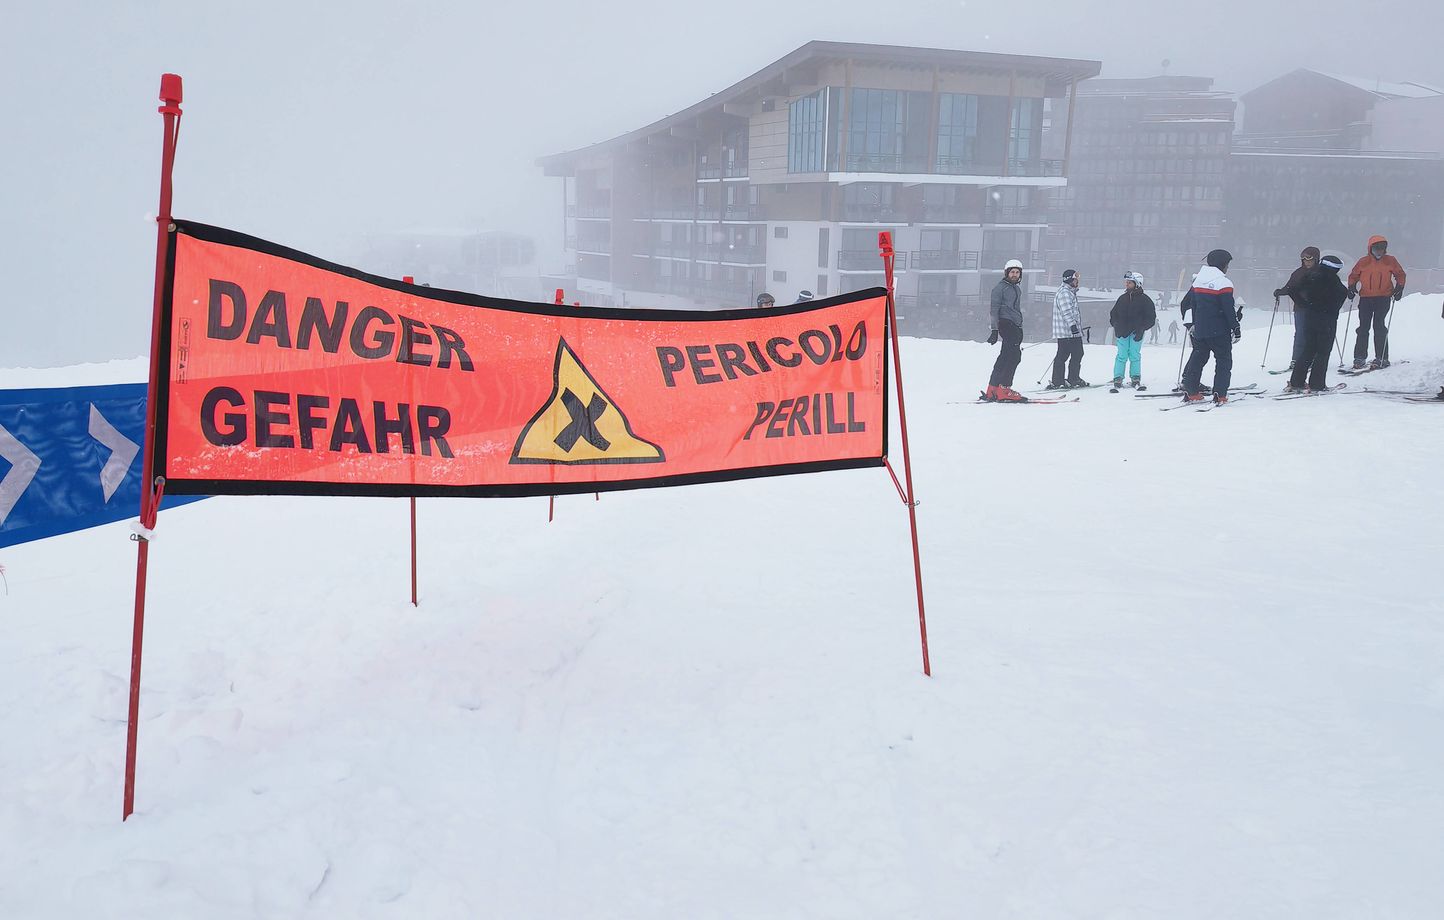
(1215, 328)
(1067, 322)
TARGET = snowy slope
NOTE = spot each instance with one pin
(1185, 665)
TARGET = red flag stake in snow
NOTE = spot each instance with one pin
(410, 280)
(559, 299)
(884, 243)
(152, 486)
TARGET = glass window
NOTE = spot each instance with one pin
(957, 132)
(806, 119)
(1027, 129)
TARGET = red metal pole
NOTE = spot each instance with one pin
(884, 242)
(552, 500)
(150, 485)
(410, 280)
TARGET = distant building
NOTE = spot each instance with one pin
(781, 182)
(1146, 183)
(1329, 160)
(479, 261)
(1309, 109)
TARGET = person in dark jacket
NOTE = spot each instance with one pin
(1132, 315)
(1006, 313)
(1308, 259)
(1323, 295)
(1215, 327)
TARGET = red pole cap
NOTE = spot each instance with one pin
(884, 242)
(560, 297)
(170, 88)
(408, 279)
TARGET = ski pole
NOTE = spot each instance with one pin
(1271, 333)
(1387, 320)
(1347, 322)
(1183, 346)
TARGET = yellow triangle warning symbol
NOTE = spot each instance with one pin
(579, 423)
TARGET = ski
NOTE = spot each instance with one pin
(1178, 394)
(1287, 370)
(1356, 372)
(1426, 399)
(1333, 389)
(1234, 397)
(1029, 402)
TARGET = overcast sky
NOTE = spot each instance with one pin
(309, 123)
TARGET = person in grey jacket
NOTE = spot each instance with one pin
(1067, 323)
(1006, 316)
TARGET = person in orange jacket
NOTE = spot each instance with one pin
(1378, 280)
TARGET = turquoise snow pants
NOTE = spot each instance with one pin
(1129, 351)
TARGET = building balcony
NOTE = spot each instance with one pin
(871, 213)
(669, 212)
(993, 260)
(593, 245)
(742, 212)
(944, 260)
(867, 260)
(735, 170)
(709, 173)
(938, 301)
(597, 210)
(1010, 214)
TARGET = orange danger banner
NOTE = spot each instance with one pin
(286, 374)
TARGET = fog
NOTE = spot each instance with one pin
(311, 124)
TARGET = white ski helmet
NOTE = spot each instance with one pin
(1012, 263)
(1134, 277)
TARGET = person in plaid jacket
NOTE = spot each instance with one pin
(1067, 323)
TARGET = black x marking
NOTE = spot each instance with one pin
(584, 422)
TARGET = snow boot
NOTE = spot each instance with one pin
(1219, 399)
(1440, 397)
(1056, 386)
(1117, 383)
(1375, 364)
(1078, 383)
(990, 394)
(1193, 397)
(1358, 365)
(1290, 388)
(1008, 394)
(1383, 362)
(1138, 384)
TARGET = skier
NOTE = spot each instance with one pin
(1308, 259)
(1215, 327)
(1133, 315)
(1006, 313)
(1376, 278)
(1173, 332)
(1066, 320)
(764, 300)
(803, 297)
(1322, 295)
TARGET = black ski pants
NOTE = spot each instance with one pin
(1221, 348)
(1008, 357)
(1070, 351)
(1373, 310)
(1312, 366)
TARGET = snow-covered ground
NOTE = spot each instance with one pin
(1184, 667)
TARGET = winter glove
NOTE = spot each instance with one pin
(1074, 327)
(1398, 291)
(1237, 334)
(1353, 292)
(993, 337)
(1239, 315)
(1137, 336)
(1277, 294)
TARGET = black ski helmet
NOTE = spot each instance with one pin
(1332, 263)
(1219, 259)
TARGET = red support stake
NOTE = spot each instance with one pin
(152, 486)
(884, 242)
(411, 280)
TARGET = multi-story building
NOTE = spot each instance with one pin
(1146, 184)
(782, 182)
(1308, 109)
(1328, 161)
